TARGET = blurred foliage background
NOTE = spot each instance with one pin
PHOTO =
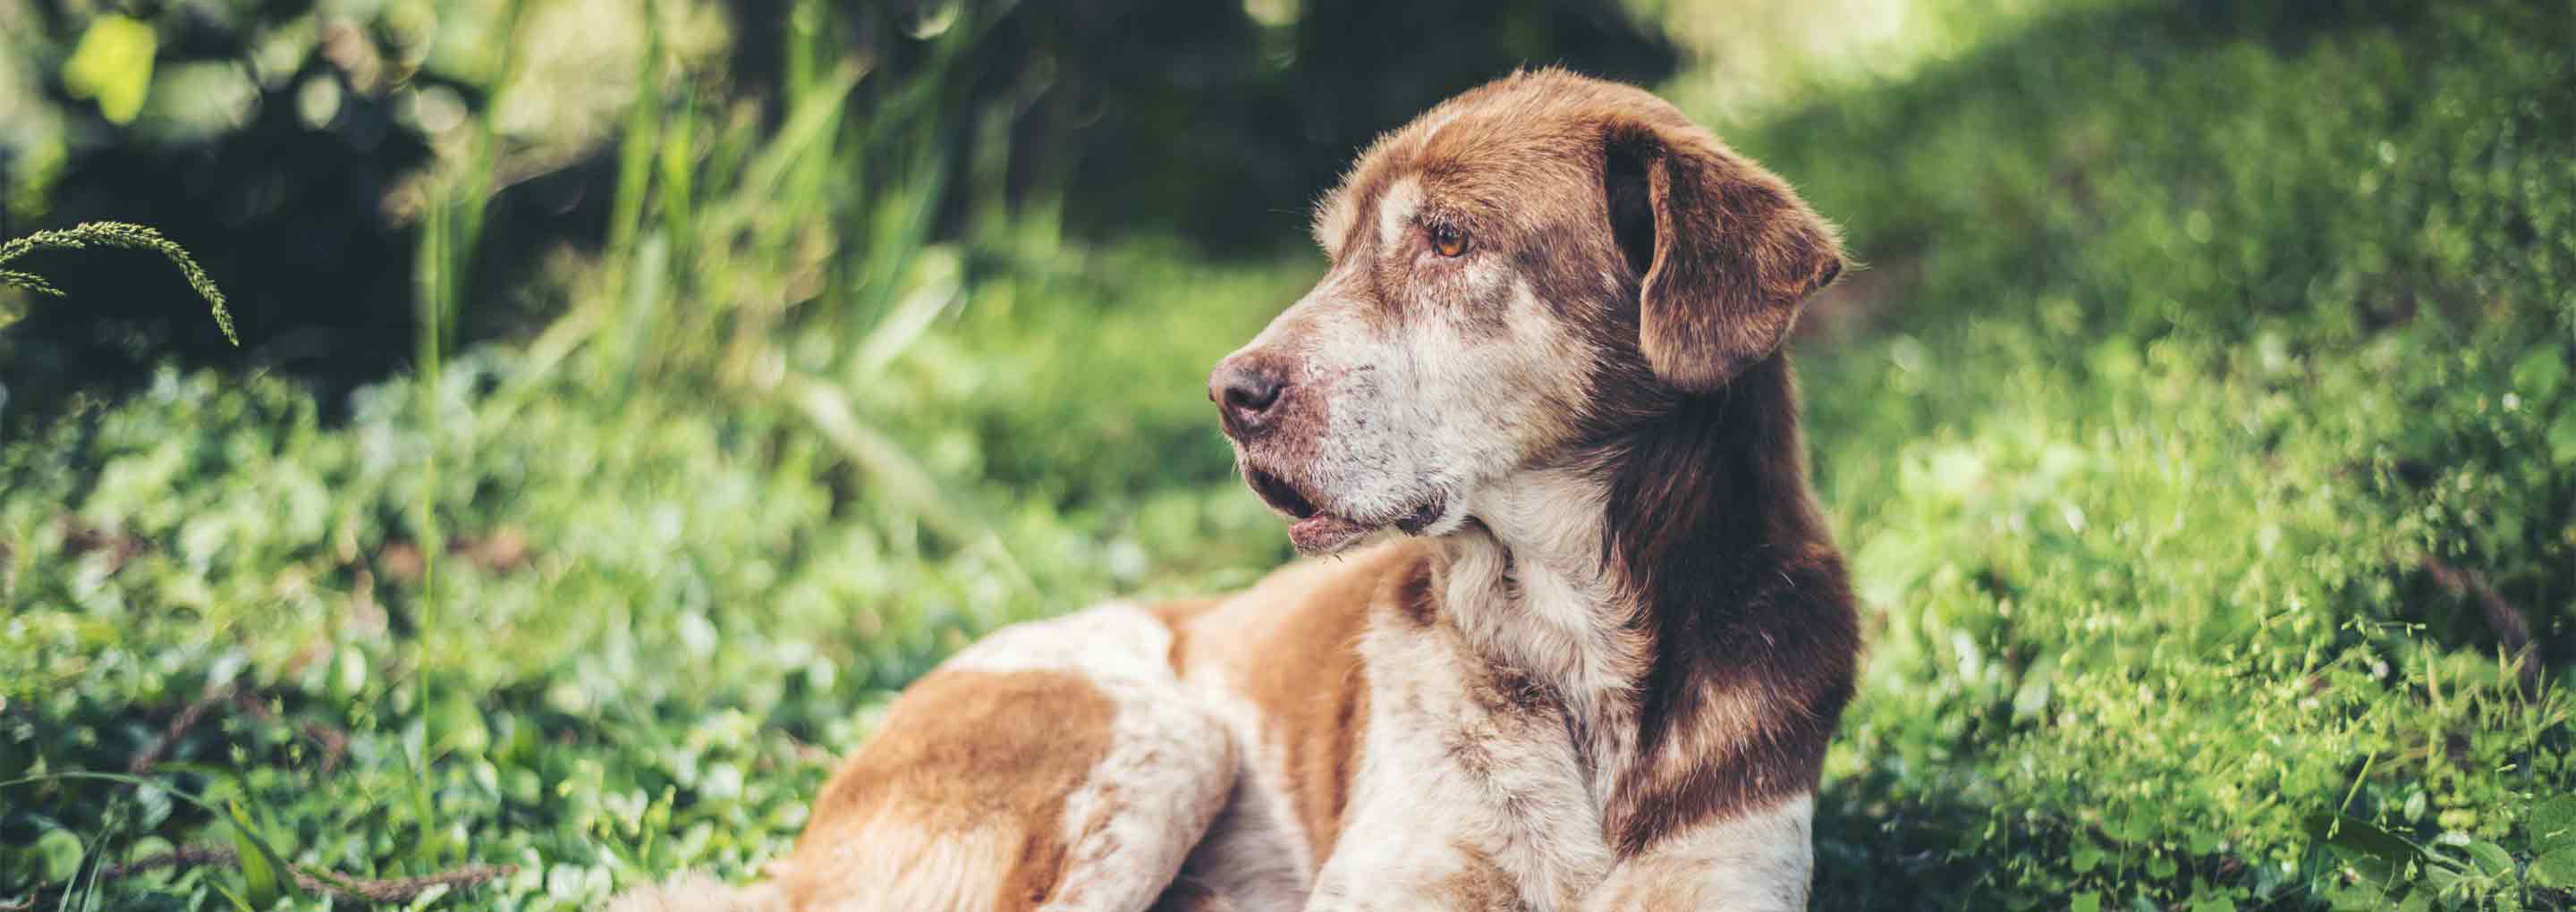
(635, 394)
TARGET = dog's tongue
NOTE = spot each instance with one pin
(1325, 533)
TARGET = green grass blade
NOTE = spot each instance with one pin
(806, 128)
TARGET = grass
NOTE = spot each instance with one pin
(2199, 388)
(113, 235)
(2208, 390)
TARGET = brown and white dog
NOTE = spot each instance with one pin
(1599, 669)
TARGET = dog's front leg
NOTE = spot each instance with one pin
(1460, 809)
(1407, 868)
(1469, 797)
(1757, 861)
(1420, 834)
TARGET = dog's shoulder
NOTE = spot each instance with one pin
(1287, 656)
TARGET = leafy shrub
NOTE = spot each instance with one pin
(2206, 385)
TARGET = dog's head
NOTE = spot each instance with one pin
(1511, 274)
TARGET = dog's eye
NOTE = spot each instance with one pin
(1448, 240)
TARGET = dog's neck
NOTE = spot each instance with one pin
(1529, 589)
(1647, 574)
(1564, 573)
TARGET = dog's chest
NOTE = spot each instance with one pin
(1472, 786)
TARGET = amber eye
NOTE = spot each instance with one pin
(1448, 240)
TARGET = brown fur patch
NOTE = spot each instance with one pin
(1175, 615)
(1416, 594)
(1306, 676)
(1505, 690)
(1290, 647)
(1714, 531)
(1512, 164)
(959, 752)
(1480, 886)
(1734, 251)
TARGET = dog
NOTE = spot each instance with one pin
(1571, 634)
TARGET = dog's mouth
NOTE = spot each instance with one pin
(1315, 530)
(1280, 495)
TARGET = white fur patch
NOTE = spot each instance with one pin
(1431, 124)
(1395, 210)
(699, 893)
(1435, 407)
(1756, 862)
(1450, 377)
(1131, 824)
(1170, 764)
(1450, 787)
(1532, 593)
(1111, 640)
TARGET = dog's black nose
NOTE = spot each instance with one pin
(1246, 394)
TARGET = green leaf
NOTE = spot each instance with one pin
(428, 897)
(2031, 698)
(2553, 823)
(2562, 438)
(2555, 869)
(2541, 372)
(2491, 858)
(59, 852)
(2203, 842)
(259, 869)
(461, 727)
(2162, 866)
(2356, 836)
(153, 804)
(2355, 898)
(2138, 825)
(2086, 857)
(239, 904)
(113, 64)
(2087, 901)
(348, 672)
(2443, 877)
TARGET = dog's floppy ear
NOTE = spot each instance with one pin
(1725, 249)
